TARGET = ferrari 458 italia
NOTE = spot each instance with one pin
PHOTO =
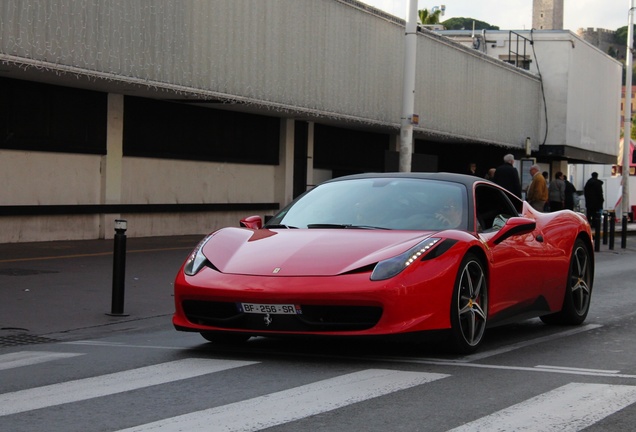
(389, 254)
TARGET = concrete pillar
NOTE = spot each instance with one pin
(284, 177)
(310, 155)
(111, 163)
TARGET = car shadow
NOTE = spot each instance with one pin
(431, 346)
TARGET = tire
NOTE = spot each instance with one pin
(225, 338)
(578, 291)
(469, 306)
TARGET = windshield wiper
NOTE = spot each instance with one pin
(371, 227)
(343, 226)
(280, 226)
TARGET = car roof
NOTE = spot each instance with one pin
(467, 180)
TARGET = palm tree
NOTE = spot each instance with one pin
(427, 17)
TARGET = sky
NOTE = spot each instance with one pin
(517, 14)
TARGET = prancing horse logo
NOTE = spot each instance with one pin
(267, 319)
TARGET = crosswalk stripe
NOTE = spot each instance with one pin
(28, 358)
(294, 404)
(570, 408)
(118, 382)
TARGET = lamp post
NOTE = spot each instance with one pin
(409, 118)
(408, 98)
(627, 130)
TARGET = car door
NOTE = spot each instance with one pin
(515, 278)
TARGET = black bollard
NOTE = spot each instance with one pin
(606, 217)
(624, 233)
(597, 232)
(119, 269)
(612, 230)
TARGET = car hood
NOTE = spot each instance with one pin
(304, 252)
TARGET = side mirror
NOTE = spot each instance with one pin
(514, 226)
(252, 222)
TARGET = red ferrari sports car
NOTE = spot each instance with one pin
(389, 254)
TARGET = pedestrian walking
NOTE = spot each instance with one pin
(594, 200)
(556, 192)
(507, 176)
(537, 193)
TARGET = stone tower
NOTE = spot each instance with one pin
(547, 14)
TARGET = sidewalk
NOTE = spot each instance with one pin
(50, 289)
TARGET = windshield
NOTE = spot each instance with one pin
(383, 203)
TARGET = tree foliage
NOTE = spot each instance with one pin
(620, 38)
(467, 24)
(428, 17)
(621, 35)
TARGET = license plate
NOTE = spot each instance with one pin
(274, 309)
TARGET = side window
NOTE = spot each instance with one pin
(492, 208)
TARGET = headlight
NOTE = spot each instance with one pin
(393, 266)
(196, 260)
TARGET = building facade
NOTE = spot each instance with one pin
(573, 129)
(183, 118)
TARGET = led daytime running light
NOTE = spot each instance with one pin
(420, 252)
(393, 266)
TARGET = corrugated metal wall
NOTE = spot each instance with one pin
(463, 93)
(326, 58)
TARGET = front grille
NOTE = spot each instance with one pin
(315, 318)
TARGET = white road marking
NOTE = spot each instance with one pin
(569, 408)
(592, 371)
(549, 369)
(485, 354)
(122, 345)
(27, 358)
(88, 388)
(95, 343)
(294, 404)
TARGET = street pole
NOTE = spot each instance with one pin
(408, 101)
(627, 130)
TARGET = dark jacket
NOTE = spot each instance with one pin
(507, 177)
(594, 194)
